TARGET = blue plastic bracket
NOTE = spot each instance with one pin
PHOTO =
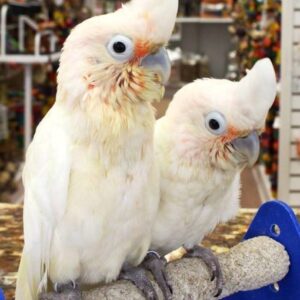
(277, 220)
(2, 295)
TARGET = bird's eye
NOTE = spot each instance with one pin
(121, 48)
(216, 123)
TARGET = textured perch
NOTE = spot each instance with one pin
(250, 265)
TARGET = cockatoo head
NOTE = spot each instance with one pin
(219, 121)
(119, 57)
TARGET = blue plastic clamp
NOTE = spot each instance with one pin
(2, 297)
(277, 220)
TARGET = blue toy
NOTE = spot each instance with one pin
(2, 295)
(277, 220)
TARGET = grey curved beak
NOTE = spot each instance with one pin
(248, 147)
(159, 62)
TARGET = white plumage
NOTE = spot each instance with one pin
(91, 182)
(200, 170)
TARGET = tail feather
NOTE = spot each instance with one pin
(28, 280)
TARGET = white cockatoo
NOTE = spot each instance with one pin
(208, 135)
(91, 182)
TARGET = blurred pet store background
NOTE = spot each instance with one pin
(212, 38)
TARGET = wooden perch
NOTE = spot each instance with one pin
(250, 265)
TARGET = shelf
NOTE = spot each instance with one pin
(175, 37)
(204, 20)
(29, 58)
(10, 75)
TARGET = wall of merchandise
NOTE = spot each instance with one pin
(249, 30)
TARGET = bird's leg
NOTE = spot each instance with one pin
(138, 276)
(211, 262)
(69, 291)
(156, 265)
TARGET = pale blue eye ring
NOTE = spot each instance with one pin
(216, 123)
(121, 48)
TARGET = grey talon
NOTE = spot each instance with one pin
(219, 292)
(156, 265)
(69, 291)
(138, 276)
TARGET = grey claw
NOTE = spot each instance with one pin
(156, 265)
(218, 293)
(213, 276)
(138, 277)
(72, 285)
(69, 291)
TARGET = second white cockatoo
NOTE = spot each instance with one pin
(209, 134)
(90, 178)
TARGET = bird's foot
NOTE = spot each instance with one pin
(211, 262)
(70, 291)
(138, 276)
(156, 265)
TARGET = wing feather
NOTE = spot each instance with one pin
(46, 180)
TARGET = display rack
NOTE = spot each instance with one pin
(27, 60)
(198, 35)
(3, 122)
(289, 155)
(204, 20)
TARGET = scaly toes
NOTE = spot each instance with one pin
(156, 265)
(69, 291)
(138, 277)
(212, 263)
